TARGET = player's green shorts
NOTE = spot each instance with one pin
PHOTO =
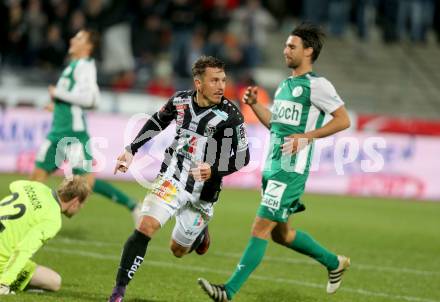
(24, 277)
(58, 148)
(281, 192)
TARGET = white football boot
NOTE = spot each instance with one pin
(335, 276)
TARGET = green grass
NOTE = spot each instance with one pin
(394, 246)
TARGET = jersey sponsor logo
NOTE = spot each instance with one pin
(179, 100)
(193, 126)
(134, 267)
(165, 190)
(181, 107)
(189, 146)
(180, 114)
(287, 112)
(273, 194)
(297, 91)
(241, 137)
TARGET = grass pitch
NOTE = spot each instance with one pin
(394, 246)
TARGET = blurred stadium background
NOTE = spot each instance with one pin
(383, 57)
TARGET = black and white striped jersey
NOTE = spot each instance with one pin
(215, 135)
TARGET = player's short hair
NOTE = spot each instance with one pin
(311, 36)
(199, 66)
(94, 39)
(77, 186)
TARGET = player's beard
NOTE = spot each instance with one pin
(292, 64)
(211, 101)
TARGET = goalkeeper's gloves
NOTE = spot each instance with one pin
(6, 290)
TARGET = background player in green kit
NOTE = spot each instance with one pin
(29, 217)
(296, 119)
(76, 90)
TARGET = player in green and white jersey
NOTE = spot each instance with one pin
(76, 91)
(295, 121)
(29, 217)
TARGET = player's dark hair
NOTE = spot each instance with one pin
(199, 66)
(311, 36)
(94, 39)
(77, 186)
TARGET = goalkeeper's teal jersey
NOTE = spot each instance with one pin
(76, 89)
(300, 104)
(29, 217)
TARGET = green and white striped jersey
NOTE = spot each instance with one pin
(300, 104)
(76, 90)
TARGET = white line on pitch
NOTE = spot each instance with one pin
(227, 273)
(358, 266)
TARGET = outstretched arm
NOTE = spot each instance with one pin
(152, 127)
(262, 113)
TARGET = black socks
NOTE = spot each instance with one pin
(132, 257)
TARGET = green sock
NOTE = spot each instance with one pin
(305, 244)
(106, 189)
(251, 258)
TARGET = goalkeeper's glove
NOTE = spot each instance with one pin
(6, 290)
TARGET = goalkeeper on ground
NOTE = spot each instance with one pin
(29, 217)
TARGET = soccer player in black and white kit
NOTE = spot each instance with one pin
(210, 143)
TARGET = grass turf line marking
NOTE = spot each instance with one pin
(357, 266)
(227, 273)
